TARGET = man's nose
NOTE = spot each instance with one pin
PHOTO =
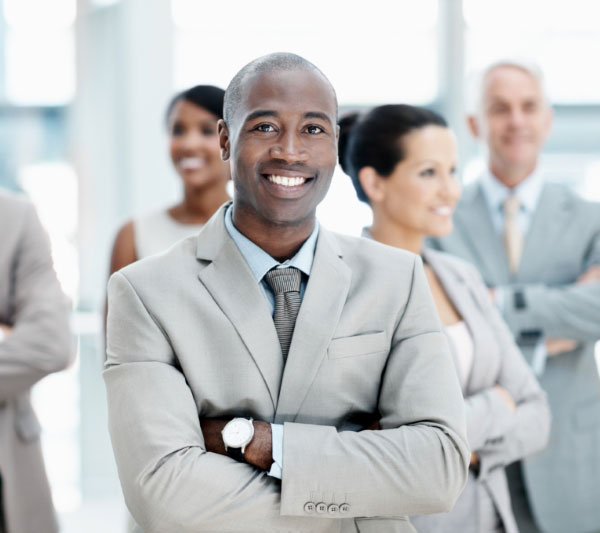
(516, 117)
(289, 148)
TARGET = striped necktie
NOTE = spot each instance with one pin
(285, 283)
(513, 237)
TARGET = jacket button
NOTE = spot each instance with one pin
(309, 507)
(333, 508)
(321, 508)
(344, 508)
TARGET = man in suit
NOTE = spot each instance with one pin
(34, 342)
(226, 412)
(537, 246)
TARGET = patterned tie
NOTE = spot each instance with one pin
(513, 238)
(285, 283)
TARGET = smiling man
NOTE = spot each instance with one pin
(537, 246)
(268, 375)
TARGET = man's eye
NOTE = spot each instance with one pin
(177, 130)
(314, 130)
(265, 128)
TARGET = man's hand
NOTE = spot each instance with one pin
(505, 395)
(5, 329)
(590, 275)
(259, 452)
(474, 459)
(558, 346)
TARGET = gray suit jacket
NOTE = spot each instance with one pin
(563, 483)
(190, 335)
(32, 303)
(496, 434)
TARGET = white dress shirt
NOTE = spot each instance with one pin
(528, 192)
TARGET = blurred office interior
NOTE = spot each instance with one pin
(83, 89)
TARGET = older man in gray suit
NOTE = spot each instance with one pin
(537, 246)
(228, 413)
(34, 341)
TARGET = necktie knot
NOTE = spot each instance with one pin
(511, 205)
(284, 280)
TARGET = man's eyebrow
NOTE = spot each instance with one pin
(259, 113)
(319, 115)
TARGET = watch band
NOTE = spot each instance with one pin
(236, 453)
(519, 299)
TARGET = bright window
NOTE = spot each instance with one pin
(377, 53)
(40, 52)
(549, 32)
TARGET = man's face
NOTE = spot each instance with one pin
(514, 117)
(282, 142)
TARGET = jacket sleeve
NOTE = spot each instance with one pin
(569, 311)
(498, 435)
(169, 480)
(417, 463)
(40, 340)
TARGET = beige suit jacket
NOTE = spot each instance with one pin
(498, 435)
(32, 303)
(190, 335)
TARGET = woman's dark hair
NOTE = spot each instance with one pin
(375, 139)
(208, 97)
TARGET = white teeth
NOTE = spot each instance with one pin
(443, 210)
(286, 181)
(191, 163)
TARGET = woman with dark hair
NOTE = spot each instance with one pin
(191, 117)
(402, 161)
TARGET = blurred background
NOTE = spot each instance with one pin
(83, 89)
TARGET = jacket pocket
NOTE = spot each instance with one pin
(399, 524)
(367, 344)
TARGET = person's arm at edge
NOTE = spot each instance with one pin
(39, 341)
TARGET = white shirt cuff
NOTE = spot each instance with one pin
(277, 451)
(540, 356)
(2, 335)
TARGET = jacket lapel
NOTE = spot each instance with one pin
(317, 320)
(476, 224)
(458, 293)
(230, 282)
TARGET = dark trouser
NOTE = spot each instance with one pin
(519, 500)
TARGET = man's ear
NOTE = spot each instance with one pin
(372, 183)
(473, 126)
(224, 141)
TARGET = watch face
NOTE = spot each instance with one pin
(237, 433)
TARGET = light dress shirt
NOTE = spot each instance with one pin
(260, 262)
(528, 192)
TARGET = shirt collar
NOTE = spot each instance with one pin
(528, 191)
(260, 262)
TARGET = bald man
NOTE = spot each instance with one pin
(268, 375)
(537, 246)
